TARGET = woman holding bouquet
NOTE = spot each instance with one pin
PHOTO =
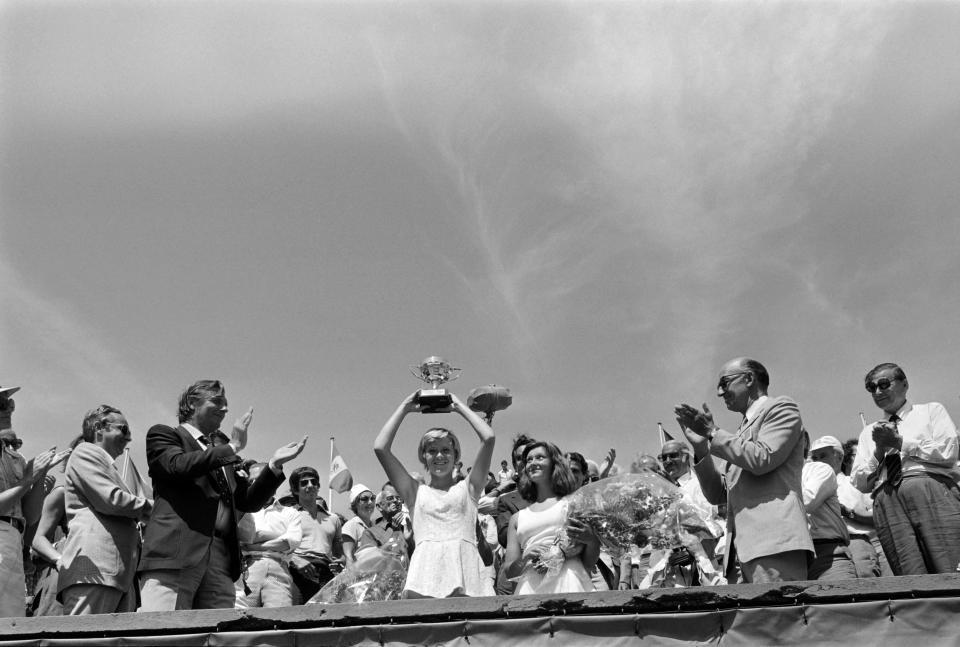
(445, 562)
(545, 551)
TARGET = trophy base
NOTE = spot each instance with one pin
(434, 401)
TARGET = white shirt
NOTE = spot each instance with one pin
(929, 444)
(819, 484)
(275, 521)
(857, 502)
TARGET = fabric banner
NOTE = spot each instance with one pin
(340, 478)
(928, 621)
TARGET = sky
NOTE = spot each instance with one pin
(595, 204)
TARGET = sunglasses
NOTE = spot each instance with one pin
(365, 499)
(883, 384)
(673, 456)
(727, 380)
(309, 481)
(13, 443)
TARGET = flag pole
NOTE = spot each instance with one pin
(126, 462)
(863, 420)
(663, 434)
(329, 488)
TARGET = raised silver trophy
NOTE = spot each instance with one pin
(435, 371)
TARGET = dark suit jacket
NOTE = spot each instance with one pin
(186, 498)
(507, 505)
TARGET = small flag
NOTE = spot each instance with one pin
(340, 478)
(664, 434)
(131, 475)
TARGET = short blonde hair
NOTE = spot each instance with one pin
(438, 433)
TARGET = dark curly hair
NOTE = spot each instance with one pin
(561, 477)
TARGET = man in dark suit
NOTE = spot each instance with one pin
(191, 554)
(766, 521)
(509, 502)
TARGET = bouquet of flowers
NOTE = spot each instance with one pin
(378, 574)
(632, 509)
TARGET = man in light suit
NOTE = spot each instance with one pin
(99, 559)
(191, 554)
(766, 522)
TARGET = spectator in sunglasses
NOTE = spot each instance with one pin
(904, 460)
(356, 532)
(320, 554)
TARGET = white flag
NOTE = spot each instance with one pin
(340, 478)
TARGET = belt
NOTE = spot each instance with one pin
(16, 522)
(827, 542)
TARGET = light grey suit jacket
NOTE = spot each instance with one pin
(761, 482)
(103, 542)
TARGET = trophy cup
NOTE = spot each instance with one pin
(434, 371)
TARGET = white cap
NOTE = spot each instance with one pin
(826, 441)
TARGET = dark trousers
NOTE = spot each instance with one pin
(308, 587)
(918, 523)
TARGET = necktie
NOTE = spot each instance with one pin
(221, 479)
(892, 463)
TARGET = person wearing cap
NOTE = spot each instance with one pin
(356, 532)
(268, 538)
(191, 554)
(766, 521)
(320, 554)
(21, 499)
(905, 460)
(831, 541)
(856, 508)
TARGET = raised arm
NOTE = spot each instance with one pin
(382, 447)
(481, 465)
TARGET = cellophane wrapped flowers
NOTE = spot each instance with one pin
(379, 574)
(632, 509)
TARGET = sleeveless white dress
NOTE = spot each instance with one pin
(538, 526)
(445, 561)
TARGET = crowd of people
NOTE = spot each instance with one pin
(773, 504)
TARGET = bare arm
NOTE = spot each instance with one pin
(382, 447)
(481, 465)
(54, 510)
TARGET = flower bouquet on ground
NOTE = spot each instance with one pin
(379, 574)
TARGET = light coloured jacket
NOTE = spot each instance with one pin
(103, 543)
(761, 482)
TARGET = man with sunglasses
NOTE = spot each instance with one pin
(766, 521)
(394, 522)
(320, 554)
(676, 462)
(98, 562)
(21, 498)
(191, 552)
(904, 460)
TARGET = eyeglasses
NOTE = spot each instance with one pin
(121, 427)
(883, 384)
(309, 481)
(392, 499)
(365, 499)
(727, 380)
(12, 443)
(672, 456)
(594, 479)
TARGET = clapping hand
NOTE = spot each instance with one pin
(885, 435)
(696, 426)
(288, 452)
(238, 436)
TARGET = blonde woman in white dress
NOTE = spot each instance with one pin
(445, 562)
